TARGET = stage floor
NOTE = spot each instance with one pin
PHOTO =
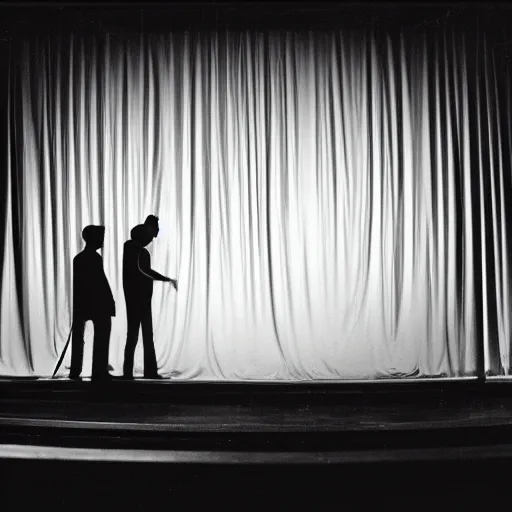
(279, 417)
(403, 438)
(163, 407)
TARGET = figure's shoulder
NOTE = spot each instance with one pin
(81, 261)
(129, 246)
(79, 257)
(86, 257)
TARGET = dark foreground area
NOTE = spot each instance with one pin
(142, 445)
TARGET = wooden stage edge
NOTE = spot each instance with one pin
(169, 390)
(181, 385)
(241, 392)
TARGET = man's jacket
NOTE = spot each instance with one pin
(92, 296)
(137, 285)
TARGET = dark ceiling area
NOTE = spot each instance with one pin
(26, 18)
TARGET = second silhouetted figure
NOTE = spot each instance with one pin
(92, 300)
(138, 280)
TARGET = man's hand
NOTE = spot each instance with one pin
(173, 282)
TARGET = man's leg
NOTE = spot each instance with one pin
(134, 320)
(77, 348)
(150, 368)
(102, 328)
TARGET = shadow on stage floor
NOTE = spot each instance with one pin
(355, 440)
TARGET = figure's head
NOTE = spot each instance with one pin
(141, 234)
(151, 223)
(94, 236)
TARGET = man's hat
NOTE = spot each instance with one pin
(91, 233)
(151, 219)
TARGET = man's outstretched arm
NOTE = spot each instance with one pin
(145, 267)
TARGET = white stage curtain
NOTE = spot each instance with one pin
(314, 189)
(494, 164)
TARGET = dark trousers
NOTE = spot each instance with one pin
(102, 327)
(139, 314)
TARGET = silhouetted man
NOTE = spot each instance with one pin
(92, 300)
(138, 280)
